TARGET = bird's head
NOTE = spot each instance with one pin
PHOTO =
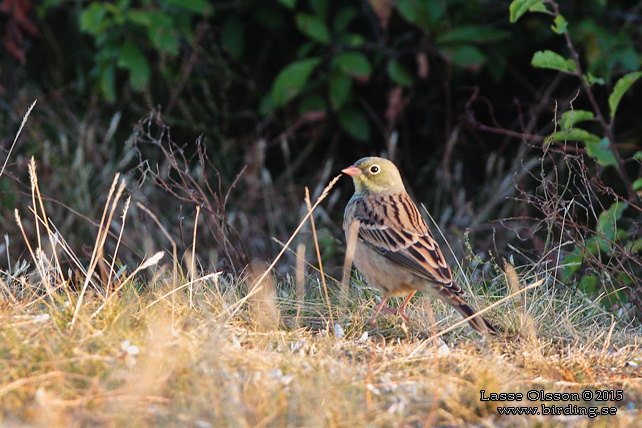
(374, 175)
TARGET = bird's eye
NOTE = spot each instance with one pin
(375, 169)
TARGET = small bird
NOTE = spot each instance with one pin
(394, 249)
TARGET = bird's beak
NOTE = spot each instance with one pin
(351, 171)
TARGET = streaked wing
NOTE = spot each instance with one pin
(392, 225)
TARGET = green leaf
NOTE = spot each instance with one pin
(355, 123)
(132, 59)
(312, 102)
(472, 34)
(636, 246)
(637, 184)
(601, 152)
(519, 7)
(313, 27)
(399, 74)
(162, 33)
(622, 85)
(233, 37)
(588, 284)
(92, 18)
(267, 106)
(138, 17)
(306, 48)
(107, 82)
(464, 55)
(571, 264)
(354, 64)
(638, 155)
(592, 79)
(560, 25)
(551, 60)
(575, 134)
(340, 88)
(607, 220)
(201, 7)
(290, 81)
(571, 117)
(419, 12)
(354, 40)
(539, 7)
(288, 3)
(343, 19)
(320, 8)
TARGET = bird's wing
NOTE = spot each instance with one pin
(393, 226)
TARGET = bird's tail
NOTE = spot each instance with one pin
(478, 322)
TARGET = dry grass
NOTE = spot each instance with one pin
(156, 347)
(87, 340)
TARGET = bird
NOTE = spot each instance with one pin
(395, 250)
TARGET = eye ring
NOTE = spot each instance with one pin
(375, 169)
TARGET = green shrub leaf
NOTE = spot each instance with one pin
(288, 3)
(571, 264)
(162, 33)
(201, 7)
(92, 19)
(354, 40)
(588, 284)
(291, 79)
(592, 79)
(576, 134)
(601, 152)
(637, 184)
(559, 25)
(464, 55)
(608, 219)
(343, 19)
(313, 27)
(354, 64)
(139, 17)
(622, 85)
(312, 102)
(571, 117)
(472, 34)
(519, 7)
(420, 12)
(107, 82)
(132, 59)
(554, 61)
(355, 123)
(399, 74)
(320, 8)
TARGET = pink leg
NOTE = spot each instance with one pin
(387, 309)
(403, 307)
(379, 306)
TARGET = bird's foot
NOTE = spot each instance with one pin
(387, 309)
(396, 312)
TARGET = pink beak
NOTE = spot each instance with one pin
(351, 171)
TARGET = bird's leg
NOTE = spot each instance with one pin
(379, 307)
(401, 309)
(387, 309)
